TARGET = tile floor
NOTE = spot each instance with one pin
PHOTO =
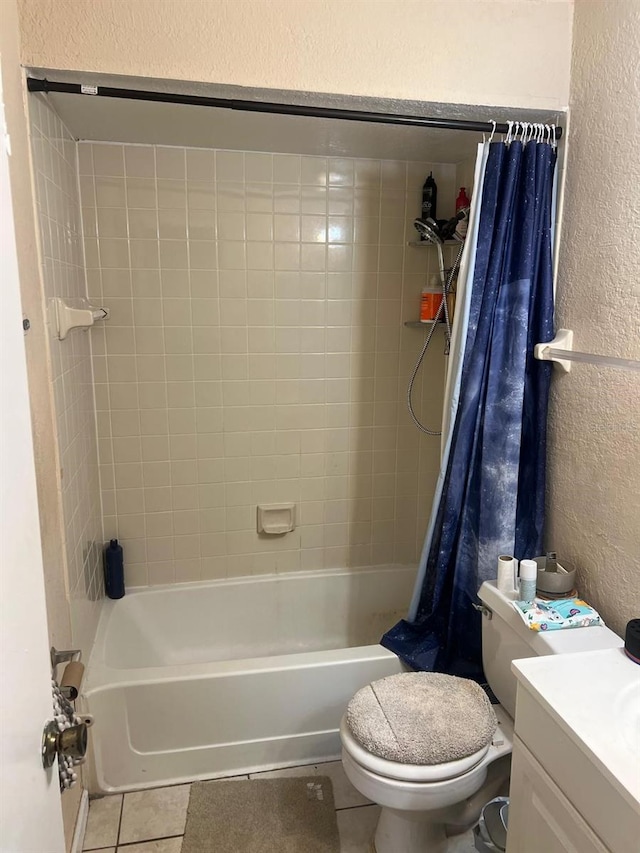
(153, 821)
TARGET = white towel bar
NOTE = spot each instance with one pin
(560, 350)
(81, 315)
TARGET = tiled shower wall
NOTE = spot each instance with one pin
(58, 205)
(256, 354)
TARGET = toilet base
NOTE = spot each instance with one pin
(409, 832)
(419, 817)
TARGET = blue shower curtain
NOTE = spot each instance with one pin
(492, 498)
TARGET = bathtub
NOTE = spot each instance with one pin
(197, 681)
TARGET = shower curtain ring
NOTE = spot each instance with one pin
(508, 139)
(494, 129)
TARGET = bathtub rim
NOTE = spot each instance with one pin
(237, 666)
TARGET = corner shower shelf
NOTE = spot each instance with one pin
(418, 324)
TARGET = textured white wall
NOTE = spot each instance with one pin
(512, 52)
(594, 496)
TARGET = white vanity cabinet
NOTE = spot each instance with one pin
(575, 776)
(541, 818)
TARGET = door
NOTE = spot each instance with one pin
(31, 816)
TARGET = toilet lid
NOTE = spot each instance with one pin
(422, 718)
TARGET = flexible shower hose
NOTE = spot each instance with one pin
(447, 281)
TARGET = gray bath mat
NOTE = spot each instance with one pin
(291, 815)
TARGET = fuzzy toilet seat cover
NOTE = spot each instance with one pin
(422, 718)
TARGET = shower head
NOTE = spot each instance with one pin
(428, 230)
(438, 232)
(451, 229)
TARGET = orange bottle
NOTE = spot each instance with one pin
(430, 299)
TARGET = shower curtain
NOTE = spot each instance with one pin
(490, 494)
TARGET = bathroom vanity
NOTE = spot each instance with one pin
(575, 778)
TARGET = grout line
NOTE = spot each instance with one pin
(83, 243)
(120, 820)
(106, 415)
(147, 840)
(354, 808)
(192, 382)
(214, 276)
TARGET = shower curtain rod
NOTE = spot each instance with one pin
(35, 84)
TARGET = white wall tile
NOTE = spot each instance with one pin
(56, 166)
(256, 353)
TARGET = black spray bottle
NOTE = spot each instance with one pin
(429, 200)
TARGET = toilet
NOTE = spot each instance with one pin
(422, 803)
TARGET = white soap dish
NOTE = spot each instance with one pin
(276, 519)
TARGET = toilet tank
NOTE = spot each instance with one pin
(505, 638)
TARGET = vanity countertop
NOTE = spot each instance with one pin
(595, 698)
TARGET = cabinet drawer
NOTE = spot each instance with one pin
(541, 818)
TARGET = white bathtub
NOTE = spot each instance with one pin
(195, 681)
